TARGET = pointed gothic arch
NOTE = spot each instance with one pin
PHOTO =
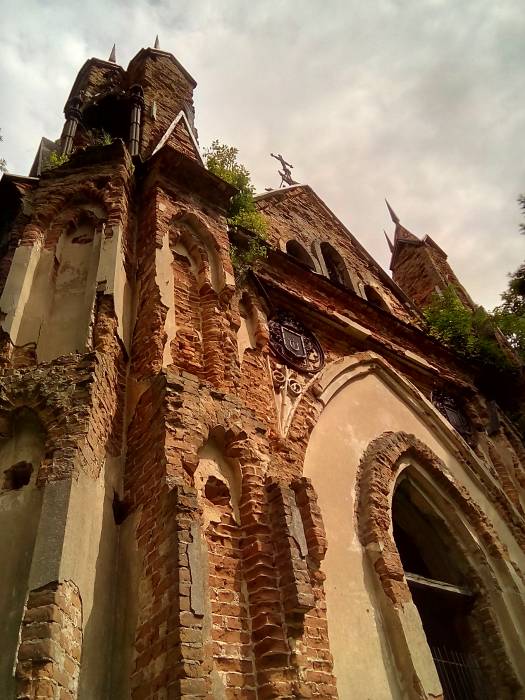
(299, 252)
(340, 431)
(212, 269)
(336, 266)
(484, 562)
(372, 295)
(197, 280)
(60, 295)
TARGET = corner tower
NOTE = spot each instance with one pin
(420, 266)
(141, 105)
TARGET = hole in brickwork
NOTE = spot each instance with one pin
(217, 492)
(17, 476)
(120, 509)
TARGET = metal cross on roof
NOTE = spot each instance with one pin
(285, 173)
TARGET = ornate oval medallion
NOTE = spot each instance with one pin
(294, 344)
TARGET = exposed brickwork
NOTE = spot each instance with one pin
(298, 214)
(167, 85)
(51, 641)
(420, 268)
(230, 621)
(291, 551)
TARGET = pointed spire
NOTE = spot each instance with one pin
(157, 43)
(393, 215)
(113, 55)
(390, 244)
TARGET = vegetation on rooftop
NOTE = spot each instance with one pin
(55, 160)
(222, 161)
(494, 342)
(96, 137)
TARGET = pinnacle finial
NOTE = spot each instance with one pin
(390, 244)
(392, 213)
(113, 55)
(157, 43)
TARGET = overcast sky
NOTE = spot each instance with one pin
(421, 101)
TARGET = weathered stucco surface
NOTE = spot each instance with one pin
(354, 416)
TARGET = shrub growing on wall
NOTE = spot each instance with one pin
(222, 161)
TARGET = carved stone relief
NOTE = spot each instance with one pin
(288, 388)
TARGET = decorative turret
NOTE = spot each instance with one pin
(420, 266)
(146, 106)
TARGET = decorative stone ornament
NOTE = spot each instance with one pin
(288, 388)
(294, 344)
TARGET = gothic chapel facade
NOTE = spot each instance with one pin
(280, 489)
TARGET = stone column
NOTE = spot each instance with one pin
(137, 104)
(73, 116)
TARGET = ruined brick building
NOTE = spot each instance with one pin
(281, 489)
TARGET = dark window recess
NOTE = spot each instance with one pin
(17, 476)
(335, 265)
(297, 251)
(120, 509)
(450, 407)
(110, 114)
(460, 675)
(217, 492)
(375, 298)
(438, 581)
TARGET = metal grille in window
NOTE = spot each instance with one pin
(460, 675)
(450, 408)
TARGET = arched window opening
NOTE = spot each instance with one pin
(373, 296)
(451, 408)
(66, 317)
(297, 251)
(438, 577)
(335, 265)
(109, 115)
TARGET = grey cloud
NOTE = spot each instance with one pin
(417, 100)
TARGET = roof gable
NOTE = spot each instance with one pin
(180, 135)
(298, 213)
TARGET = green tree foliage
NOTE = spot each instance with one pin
(510, 315)
(472, 334)
(3, 166)
(222, 161)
